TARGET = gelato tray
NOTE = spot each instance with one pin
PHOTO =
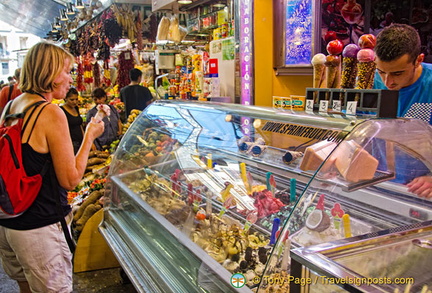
(396, 262)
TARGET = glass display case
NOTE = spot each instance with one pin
(202, 197)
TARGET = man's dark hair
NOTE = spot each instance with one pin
(396, 40)
(135, 74)
(98, 93)
(10, 78)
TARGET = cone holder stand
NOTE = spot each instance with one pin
(369, 102)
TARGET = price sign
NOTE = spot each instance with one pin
(337, 106)
(309, 106)
(351, 108)
(323, 106)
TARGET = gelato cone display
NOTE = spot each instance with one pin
(318, 61)
(333, 63)
(349, 66)
(365, 69)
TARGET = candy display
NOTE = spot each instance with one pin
(349, 66)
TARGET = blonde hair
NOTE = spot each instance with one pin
(42, 64)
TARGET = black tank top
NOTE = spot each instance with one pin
(43, 211)
(75, 123)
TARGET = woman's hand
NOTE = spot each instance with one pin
(94, 128)
(421, 186)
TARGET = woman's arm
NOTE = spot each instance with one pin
(68, 167)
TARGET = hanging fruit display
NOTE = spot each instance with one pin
(126, 63)
(96, 74)
(139, 37)
(106, 79)
(80, 74)
(126, 19)
(88, 69)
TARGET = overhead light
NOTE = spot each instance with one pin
(63, 16)
(57, 22)
(184, 1)
(54, 29)
(70, 10)
(219, 5)
(79, 4)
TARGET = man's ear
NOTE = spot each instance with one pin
(420, 59)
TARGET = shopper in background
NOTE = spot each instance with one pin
(112, 122)
(400, 66)
(33, 248)
(10, 91)
(11, 80)
(135, 96)
(74, 119)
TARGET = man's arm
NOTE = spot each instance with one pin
(421, 186)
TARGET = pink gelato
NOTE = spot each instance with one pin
(366, 55)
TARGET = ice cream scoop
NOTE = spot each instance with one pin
(367, 41)
(350, 51)
(319, 58)
(365, 55)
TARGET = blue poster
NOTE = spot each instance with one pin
(298, 38)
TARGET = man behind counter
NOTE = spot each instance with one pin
(399, 67)
(134, 95)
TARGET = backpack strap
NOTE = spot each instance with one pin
(11, 87)
(31, 114)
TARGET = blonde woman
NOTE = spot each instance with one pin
(33, 248)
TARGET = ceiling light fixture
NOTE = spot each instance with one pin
(219, 5)
(70, 10)
(54, 29)
(63, 16)
(56, 23)
(184, 1)
(79, 4)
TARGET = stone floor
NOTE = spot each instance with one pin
(102, 281)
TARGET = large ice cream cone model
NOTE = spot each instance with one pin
(319, 67)
(366, 65)
(365, 69)
(349, 72)
(333, 63)
(349, 66)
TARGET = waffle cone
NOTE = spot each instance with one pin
(365, 75)
(333, 76)
(349, 72)
(318, 75)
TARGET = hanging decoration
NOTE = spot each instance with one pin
(126, 63)
(80, 73)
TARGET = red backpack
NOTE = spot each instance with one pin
(17, 190)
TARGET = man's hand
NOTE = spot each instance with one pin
(421, 186)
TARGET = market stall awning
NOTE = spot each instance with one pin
(31, 16)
